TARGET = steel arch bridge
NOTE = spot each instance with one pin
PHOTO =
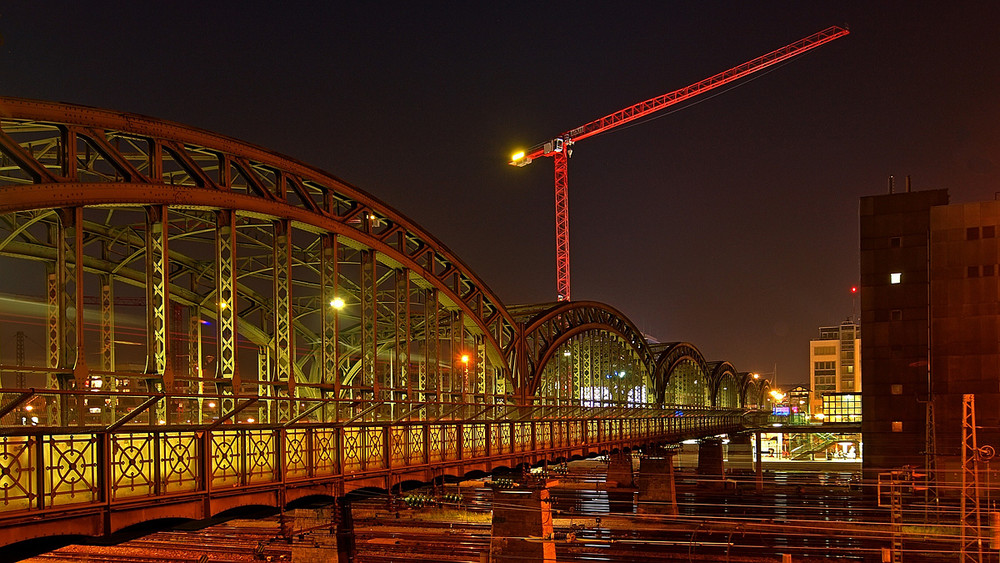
(200, 323)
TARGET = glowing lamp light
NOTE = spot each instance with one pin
(756, 376)
(211, 405)
(29, 408)
(566, 353)
(250, 420)
(337, 303)
(223, 305)
(517, 156)
(465, 358)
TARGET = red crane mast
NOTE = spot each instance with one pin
(559, 147)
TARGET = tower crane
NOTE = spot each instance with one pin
(560, 147)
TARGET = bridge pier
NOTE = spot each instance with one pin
(710, 458)
(620, 469)
(522, 526)
(657, 491)
(740, 453)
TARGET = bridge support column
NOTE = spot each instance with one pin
(710, 459)
(657, 491)
(758, 465)
(620, 469)
(740, 453)
(522, 526)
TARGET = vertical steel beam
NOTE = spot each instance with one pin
(330, 317)
(418, 326)
(55, 318)
(480, 387)
(369, 322)
(432, 343)
(157, 296)
(107, 324)
(225, 291)
(402, 336)
(108, 338)
(69, 267)
(283, 333)
(459, 369)
(265, 387)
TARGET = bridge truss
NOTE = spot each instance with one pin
(210, 324)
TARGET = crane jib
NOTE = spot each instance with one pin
(652, 105)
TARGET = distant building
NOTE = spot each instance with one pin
(930, 311)
(834, 362)
(798, 403)
(842, 407)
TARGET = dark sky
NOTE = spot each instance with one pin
(731, 224)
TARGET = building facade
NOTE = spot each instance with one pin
(834, 362)
(931, 316)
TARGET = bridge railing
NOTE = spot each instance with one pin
(139, 456)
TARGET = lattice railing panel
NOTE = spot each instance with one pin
(353, 449)
(297, 453)
(179, 462)
(132, 463)
(543, 435)
(18, 467)
(415, 445)
(324, 448)
(70, 469)
(451, 441)
(397, 446)
(374, 444)
(227, 458)
(435, 443)
(523, 436)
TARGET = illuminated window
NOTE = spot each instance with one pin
(897, 425)
(895, 277)
(897, 389)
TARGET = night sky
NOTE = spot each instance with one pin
(731, 224)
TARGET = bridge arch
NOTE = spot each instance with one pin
(236, 254)
(756, 392)
(726, 383)
(584, 353)
(683, 375)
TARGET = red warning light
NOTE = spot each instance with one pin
(854, 289)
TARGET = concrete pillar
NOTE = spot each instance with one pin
(657, 492)
(758, 464)
(519, 514)
(710, 460)
(620, 470)
(346, 549)
(318, 543)
(740, 458)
